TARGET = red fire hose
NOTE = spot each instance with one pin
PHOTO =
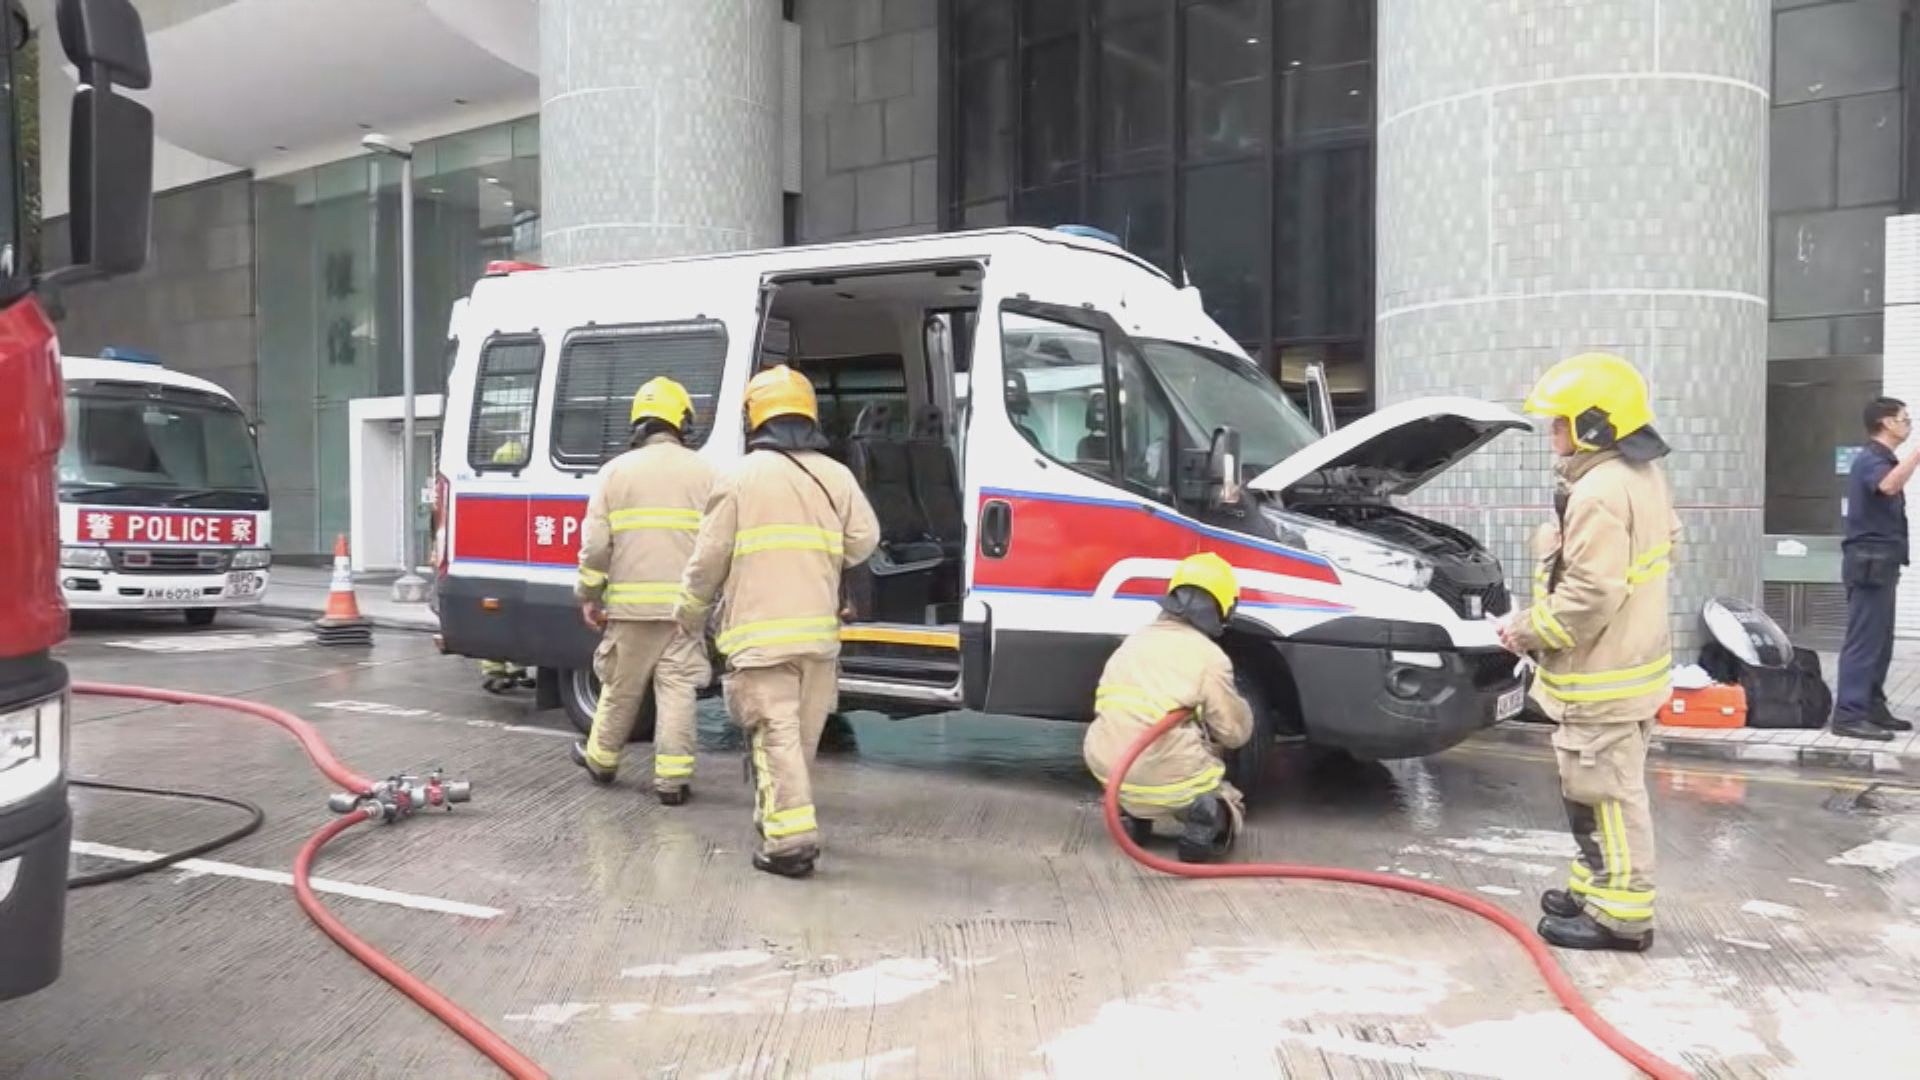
(1636, 1055)
(510, 1060)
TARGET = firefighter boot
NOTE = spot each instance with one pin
(1559, 903)
(673, 796)
(1207, 830)
(797, 863)
(1582, 932)
(1139, 830)
(600, 775)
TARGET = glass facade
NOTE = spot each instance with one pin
(1229, 142)
(327, 249)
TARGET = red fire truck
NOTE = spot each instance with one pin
(111, 193)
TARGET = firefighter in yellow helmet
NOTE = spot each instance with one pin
(778, 532)
(502, 676)
(1598, 629)
(1170, 664)
(641, 523)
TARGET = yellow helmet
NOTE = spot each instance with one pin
(665, 400)
(779, 391)
(1602, 398)
(1210, 574)
(509, 453)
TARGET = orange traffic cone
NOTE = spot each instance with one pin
(342, 623)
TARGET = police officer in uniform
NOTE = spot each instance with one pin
(1872, 558)
(641, 523)
(777, 534)
(1170, 664)
(1598, 628)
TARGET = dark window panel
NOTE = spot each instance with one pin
(1813, 409)
(1319, 101)
(1802, 148)
(1869, 150)
(1135, 64)
(1836, 50)
(982, 25)
(1348, 379)
(985, 120)
(1047, 207)
(1859, 335)
(984, 215)
(1050, 109)
(1829, 262)
(1225, 244)
(1324, 243)
(1118, 10)
(1324, 33)
(1799, 339)
(1049, 19)
(1226, 91)
(1134, 208)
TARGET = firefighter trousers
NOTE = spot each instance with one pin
(783, 708)
(633, 655)
(1603, 777)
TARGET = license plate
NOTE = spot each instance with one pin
(1510, 703)
(242, 584)
(178, 592)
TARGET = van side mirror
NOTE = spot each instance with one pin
(111, 155)
(1223, 466)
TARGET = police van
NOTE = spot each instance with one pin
(1045, 424)
(163, 503)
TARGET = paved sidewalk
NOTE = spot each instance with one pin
(300, 592)
(1813, 748)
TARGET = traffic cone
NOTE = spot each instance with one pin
(342, 623)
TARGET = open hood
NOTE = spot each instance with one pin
(1393, 451)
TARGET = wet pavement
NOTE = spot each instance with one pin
(970, 918)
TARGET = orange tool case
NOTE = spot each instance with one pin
(1717, 706)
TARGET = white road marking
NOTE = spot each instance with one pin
(1881, 856)
(205, 643)
(1746, 943)
(1767, 909)
(1496, 890)
(1830, 890)
(372, 708)
(400, 712)
(275, 877)
(888, 982)
(702, 964)
(554, 1015)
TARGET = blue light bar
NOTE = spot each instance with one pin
(1089, 232)
(114, 352)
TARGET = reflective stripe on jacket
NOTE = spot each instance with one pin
(1599, 620)
(1164, 666)
(640, 527)
(771, 547)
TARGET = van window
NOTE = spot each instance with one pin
(602, 367)
(852, 390)
(504, 393)
(1056, 390)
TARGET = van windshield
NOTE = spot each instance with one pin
(1213, 390)
(171, 447)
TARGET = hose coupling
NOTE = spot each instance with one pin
(400, 796)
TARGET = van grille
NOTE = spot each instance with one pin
(170, 561)
(1476, 602)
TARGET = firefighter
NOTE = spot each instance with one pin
(503, 676)
(1174, 663)
(640, 527)
(1598, 629)
(778, 532)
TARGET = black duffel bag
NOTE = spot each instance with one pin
(1793, 696)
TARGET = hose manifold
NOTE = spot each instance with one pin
(400, 796)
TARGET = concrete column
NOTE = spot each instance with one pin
(659, 128)
(1557, 176)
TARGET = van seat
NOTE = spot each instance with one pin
(937, 486)
(884, 470)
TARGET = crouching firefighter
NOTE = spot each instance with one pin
(640, 529)
(1598, 630)
(778, 531)
(1173, 663)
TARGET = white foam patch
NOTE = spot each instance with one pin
(1830, 890)
(624, 1011)
(554, 1015)
(1836, 1035)
(1496, 890)
(888, 982)
(1489, 862)
(1535, 843)
(702, 964)
(1880, 856)
(1745, 943)
(1767, 909)
(871, 1068)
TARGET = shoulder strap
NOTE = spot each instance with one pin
(817, 482)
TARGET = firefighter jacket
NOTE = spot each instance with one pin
(640, 528)
(778, 531)
(1164, 666)
(1599, 622)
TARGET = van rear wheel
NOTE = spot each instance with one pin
(580, 697)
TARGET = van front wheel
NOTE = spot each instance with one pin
(580, 697)
(1247, 765)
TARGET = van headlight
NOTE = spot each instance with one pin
(1356, 553)
(30, 748)
(85, 558)
(252, 559)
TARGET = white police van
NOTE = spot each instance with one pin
(1045, 424)
(163, 504)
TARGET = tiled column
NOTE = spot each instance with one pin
(659, 128)
(1559, 176)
